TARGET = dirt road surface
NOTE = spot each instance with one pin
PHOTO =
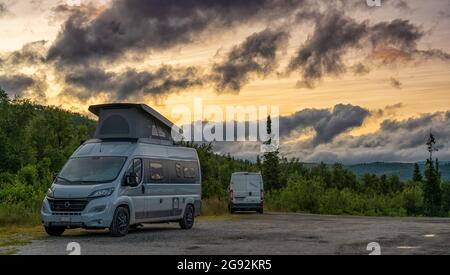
(273, 233)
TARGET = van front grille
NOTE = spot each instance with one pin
(68, 205)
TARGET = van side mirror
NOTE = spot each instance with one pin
(131, 180)
(54, 176)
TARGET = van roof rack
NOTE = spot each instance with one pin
(133, 121)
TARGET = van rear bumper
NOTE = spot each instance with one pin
(246, 206)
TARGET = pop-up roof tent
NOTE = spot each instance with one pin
(132, 121)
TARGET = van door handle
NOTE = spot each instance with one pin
(143, 189)
(161, 200)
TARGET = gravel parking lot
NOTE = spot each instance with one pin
(273, 233)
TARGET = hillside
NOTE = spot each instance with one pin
(403, 170)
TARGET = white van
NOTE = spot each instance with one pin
(122, 180)
(246, 192)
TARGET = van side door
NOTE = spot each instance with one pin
(159, 201)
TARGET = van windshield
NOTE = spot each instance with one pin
(91, 170)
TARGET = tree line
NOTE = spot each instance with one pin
(36, 141)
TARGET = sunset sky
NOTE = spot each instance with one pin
(353, 83)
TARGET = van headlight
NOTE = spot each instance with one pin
(102, 193)
(50, 193)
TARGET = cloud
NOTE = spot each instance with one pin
(16, 84)
(335, 35)
(152, 25)
(395, 140)
(131, 84)
(3, 9)
(327, 124)
(395, 83)
(256, 56)
(322, 53)
(360, 69)
(32, 53)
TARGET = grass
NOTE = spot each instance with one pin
(214, 207)
(18, 215)
(9, 252)
(19, 225)
(13, 235)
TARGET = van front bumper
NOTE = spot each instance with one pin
(97, 214)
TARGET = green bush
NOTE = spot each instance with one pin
(412, 200)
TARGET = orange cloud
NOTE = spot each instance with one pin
(390, 55)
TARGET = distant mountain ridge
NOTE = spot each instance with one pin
(403, 170)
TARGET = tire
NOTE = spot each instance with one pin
(230, 209)
(121, 222)
(55, 231)
(188, 219)
(261, 211)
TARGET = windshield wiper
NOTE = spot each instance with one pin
(94, 181)
(64, 179)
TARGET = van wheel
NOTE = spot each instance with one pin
(121, 222)
(54, 230)
(261, 211)
(189, 218)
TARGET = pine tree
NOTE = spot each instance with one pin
(258, 161)
(432, 188)
(417, 175)
(271, 165)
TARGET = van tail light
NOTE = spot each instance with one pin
(231, 195)
(262, 194)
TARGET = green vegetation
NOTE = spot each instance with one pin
(35, 141)
(271, 164)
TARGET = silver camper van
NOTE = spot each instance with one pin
(131, 174)
(246, 192)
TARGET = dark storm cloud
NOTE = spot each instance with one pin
(322, 53)
(336, 34)
(152, 24)
(131, 83)
(399, 33)
(326, 124)
(16, 84)
(31, 54)
(432, 54)
(256, 56)
(396, 140)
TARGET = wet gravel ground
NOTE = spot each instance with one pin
(273, 233)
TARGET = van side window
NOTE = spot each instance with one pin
(189, 172)
(136, 167)
(156, 171)
(179, 170)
